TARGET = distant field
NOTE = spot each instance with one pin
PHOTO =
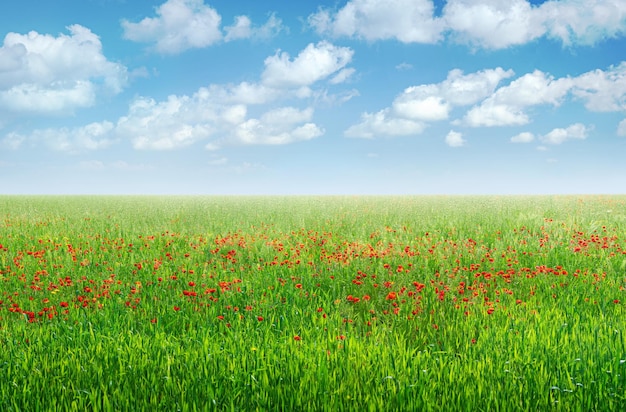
(313, 303)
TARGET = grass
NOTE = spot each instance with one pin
(316, 303)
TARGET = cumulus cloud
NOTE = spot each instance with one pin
(524, 137)
(280, 126)
(455, 139)
(417, 105)
(180, 25)
(12, 141)
(242, 28)
(583, 22)
(378, 124)
(176, 122)
(600, 90)
(408, 21)
(93, 136)
(603, 91)
(315, 62)
(491, 24)
(559, 135)
(497, 24)
(217, 115)
(40, 73)
(506, 107)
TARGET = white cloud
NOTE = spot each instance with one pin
(455, 139)
(431, 102)
(407, 21)
(584, 22)
(12, 141)
(176, 122)
(243, 29)
(524, 137)
(506, 106)
(242, 93)
(464, 89)
(575, 131)
(45, 74)
(603, 90)
(621, 128)
(217, 115)
(492, 24)
(93, 136)
(412, 105)
(315, 62)
(179, 25)
(491, 114)
(280, 126)
(374, 125)
(534, 88)
(342, 76)
(428, 103)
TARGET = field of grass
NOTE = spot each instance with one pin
(313, 303)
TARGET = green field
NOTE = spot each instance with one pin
(313, 303)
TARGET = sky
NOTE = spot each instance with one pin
(281, 97)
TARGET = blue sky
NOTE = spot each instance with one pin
(277, 97)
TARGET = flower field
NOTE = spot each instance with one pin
(313, 303)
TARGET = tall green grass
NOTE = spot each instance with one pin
(312, 303)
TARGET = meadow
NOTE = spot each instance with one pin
(313, 303)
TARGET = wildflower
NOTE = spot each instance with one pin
(259, 318)
(176, 308)
(297, 338)
(391, 296)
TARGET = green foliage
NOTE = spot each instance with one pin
(317, 303)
